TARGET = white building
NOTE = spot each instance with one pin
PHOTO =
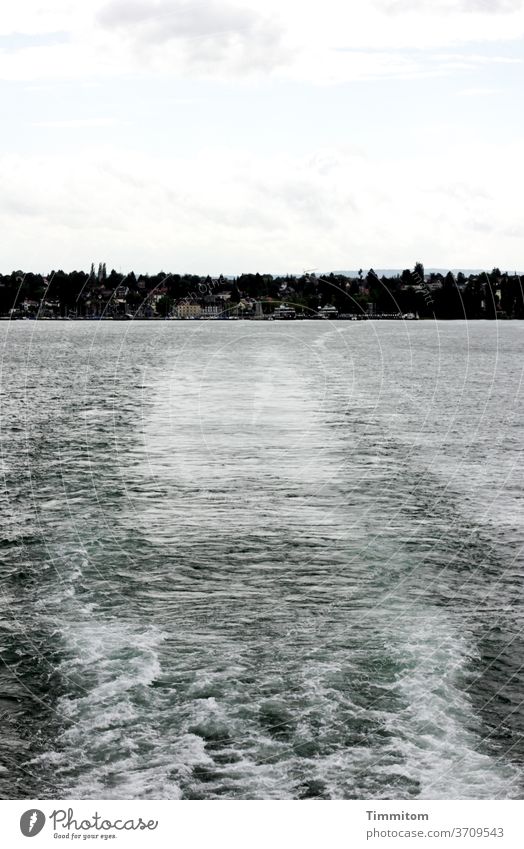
(284, 312)
(211, 311)
(328, 312)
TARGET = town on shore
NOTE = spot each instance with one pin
(411, 294)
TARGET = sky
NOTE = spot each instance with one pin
(225, 137)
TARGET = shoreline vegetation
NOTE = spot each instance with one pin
(411, 294)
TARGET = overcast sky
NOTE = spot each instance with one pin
(261, 136)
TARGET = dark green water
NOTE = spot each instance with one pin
(252, 560)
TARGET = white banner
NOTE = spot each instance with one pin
(274, 824)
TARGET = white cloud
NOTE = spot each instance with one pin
(480, 91)
(215, 211)
(164, 20)
(34, 17)
(451, 7)
(75, 123)
(219, 210)
(222, 38)
(201, 35)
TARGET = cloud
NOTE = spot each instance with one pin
(38, 17)
(167, 19)
(480, 91)
(18, 41)
(220, 211)
(75, 123)
(206, 34)
(451, 7)
(492, 7)
(224, 40)
(216, 209)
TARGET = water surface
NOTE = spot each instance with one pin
(251, 560)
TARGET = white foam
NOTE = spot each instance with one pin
(439, 732)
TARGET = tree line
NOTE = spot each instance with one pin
(493, 294)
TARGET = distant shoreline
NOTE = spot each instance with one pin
(102, 295)
(344, 320)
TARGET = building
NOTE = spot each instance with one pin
(284, 312)
(328, 312)
(188, 310)
(211, 311)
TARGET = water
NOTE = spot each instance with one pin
(251, 560)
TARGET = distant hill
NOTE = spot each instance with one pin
(393, 272)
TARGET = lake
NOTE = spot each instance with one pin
(256, 560)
